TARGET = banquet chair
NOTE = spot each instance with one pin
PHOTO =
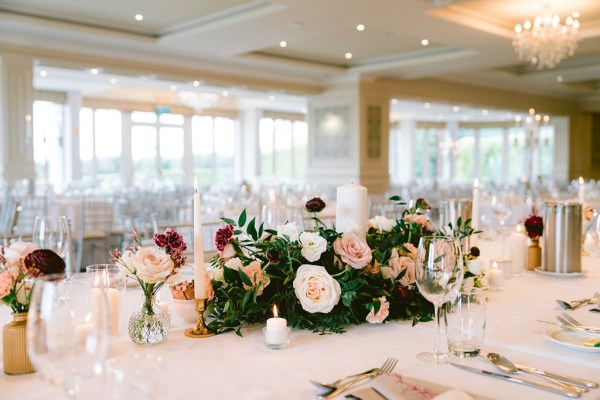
(8, 216)
(94, 233)
(28, 207)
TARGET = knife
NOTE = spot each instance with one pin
(558, 390)
(566, 378)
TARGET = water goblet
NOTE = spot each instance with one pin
(439, 275)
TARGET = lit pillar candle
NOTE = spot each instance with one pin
(496, 277)
(114, 300)
(517, 243)
(277, 331)
(199, 267)
(82, 331)
(351, 209)
(581, 194)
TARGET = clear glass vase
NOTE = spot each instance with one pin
(149, 324)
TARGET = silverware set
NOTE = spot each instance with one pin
(575, 304)
(343, 384)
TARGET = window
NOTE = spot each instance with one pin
(48, 129)
(213, 149)
(100, 145)
(283, 148)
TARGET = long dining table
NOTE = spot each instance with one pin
(228, 366)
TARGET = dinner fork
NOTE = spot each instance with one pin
(571, 323)
(388, 366)
(595, 298)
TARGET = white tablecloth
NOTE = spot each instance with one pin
(232, 367)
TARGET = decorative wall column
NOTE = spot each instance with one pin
(348, 137)
(405, 162)
(74, 104)
(16, 114)
(247, 159)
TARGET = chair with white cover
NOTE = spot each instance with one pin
(94, 231)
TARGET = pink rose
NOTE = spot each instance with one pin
(409, 250)
(15, 256)
(417, 219)
(353, 250)
(6, 283)
(254, 272)
(210, 293)
(227, 252)
(382, 314)
(396, 265)
(149, 264)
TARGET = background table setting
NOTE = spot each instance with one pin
(520, 314)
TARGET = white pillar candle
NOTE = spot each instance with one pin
(581, 194)
(114, 300)
(517, 244)
(82, 331)
(351, 209)
(496, 277)
(199, 267)
(277, 331)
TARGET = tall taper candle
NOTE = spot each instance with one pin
(581, 193)
(475, 205)
(199, 267)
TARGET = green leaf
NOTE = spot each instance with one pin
(260, 229)
(229, 221)
(244, 277)
(251, 229)
(242, 218)
(439, 258)
(229, 274)
(246, 298)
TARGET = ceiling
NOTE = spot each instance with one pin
(235, 44)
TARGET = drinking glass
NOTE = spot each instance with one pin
(465, 322)
(111, 279)
(67, 331)
(439, 275)
(276, 215)
(501, 205)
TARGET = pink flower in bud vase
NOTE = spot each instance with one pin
(382, 314)
(223, 236)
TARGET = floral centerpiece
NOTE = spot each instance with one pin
(320, 279)
(152, 267)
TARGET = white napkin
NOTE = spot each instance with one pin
(397, 387)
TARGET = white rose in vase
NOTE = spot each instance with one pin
(149, 264)
(316, 289)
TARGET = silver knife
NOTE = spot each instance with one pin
(566, 378)
(554, 389)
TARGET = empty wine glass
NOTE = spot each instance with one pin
(67, 331)
(501, 205)
(52, 233)
(276, 215)
(439, 275)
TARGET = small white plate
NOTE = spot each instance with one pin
(540, 271)
(573, 340)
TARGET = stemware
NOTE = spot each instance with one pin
(439, 275)
(67, 331)
(52, 233)
(501, 206)
(276, 215)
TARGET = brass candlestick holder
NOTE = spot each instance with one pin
(200, 330)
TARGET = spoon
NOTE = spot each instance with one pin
(506, 365)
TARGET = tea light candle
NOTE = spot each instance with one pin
(496, 277)
(351, 209)
(114, 299)
(276, 332)
(517, 243)
(82, 331)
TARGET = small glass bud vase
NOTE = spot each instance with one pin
(149, 324)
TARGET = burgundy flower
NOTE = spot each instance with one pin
(315, 205)
(171, 241)
(273, 256)
(475, 252)
(223, 236)
(44, 262)
(534, 226)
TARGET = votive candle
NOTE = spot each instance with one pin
(496, 277)
(276, 332)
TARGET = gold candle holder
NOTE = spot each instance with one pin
(200, 330)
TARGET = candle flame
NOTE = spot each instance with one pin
(476, 183)
(275, 311)
(495, 265)
(581, 180)
(519, 228)
(195, 185)
(87, 318)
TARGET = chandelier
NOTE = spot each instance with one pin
(546, 41)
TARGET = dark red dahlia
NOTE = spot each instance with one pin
(534, 226)
(315, 205)
(44, 262)
(223, 236)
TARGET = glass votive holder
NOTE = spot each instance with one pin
(277, 339)
(465, 322)
(504, 265)
(109, 278)
(495, 277)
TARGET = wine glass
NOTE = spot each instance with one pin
(52, 233)
(274, 216)
(501, 205)
(67, 331)
(439, 275)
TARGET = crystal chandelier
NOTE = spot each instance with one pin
(546, 41)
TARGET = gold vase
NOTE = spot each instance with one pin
(14, 346)
(534, 256)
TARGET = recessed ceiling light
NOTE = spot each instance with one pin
(94, 71)
(456, 108)
(139, 17)
(484, 112)
(28, 118)
(283, 43)
(427, 105)
(43, 74)
(424, 42)
(113, 81)
(559, 78)
(394, 101)
(360, 27)
(173, 87)
(271, 98)
(546, 118)
(348, 56)
(531, 111)
(225, 93)
(196, 83)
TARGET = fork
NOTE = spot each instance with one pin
(571, 323)
(388, 366)
(595, 298)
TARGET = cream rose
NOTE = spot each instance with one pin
(396, 265)
(291, 230)
(313, 245)
(316, 289)
(254, 272)
(227, 252)
(353, 250)
(234, 263)
(149, 264)
(217, 274)
(381, 223)
(474, 266)
(382, 314)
